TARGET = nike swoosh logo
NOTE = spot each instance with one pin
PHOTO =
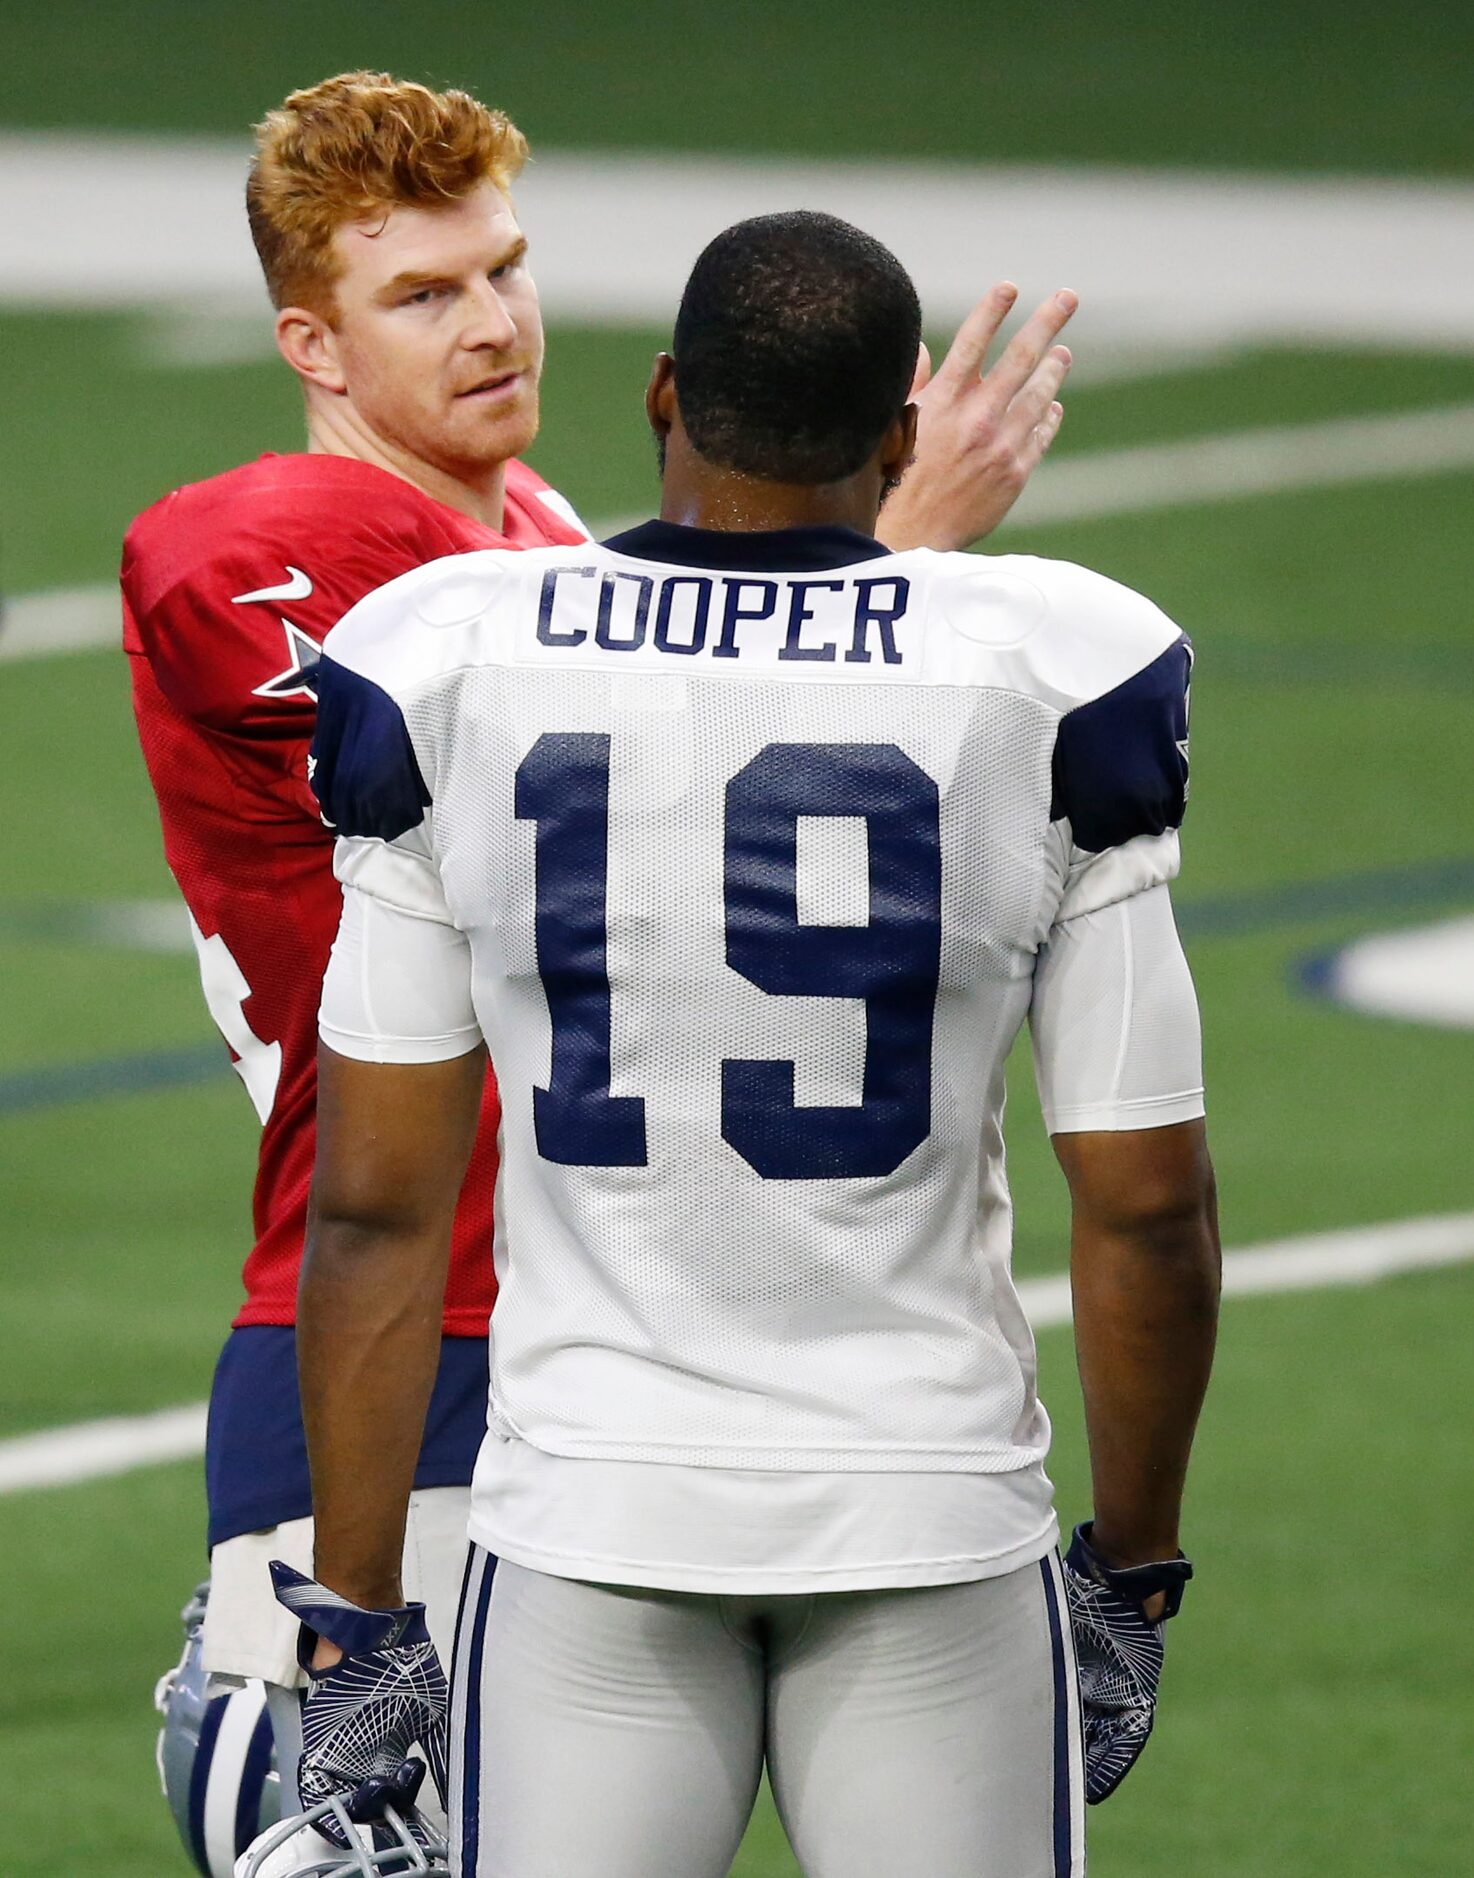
(297, 588)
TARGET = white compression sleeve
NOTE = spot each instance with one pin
(398, 986)
(1117, 1039)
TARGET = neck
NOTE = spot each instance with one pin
(335, 429)
(697, 494)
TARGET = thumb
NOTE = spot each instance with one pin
(922, 376)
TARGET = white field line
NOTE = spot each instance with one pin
(58, 1457)
(1308, 1262)
(63, 619)
(1107, 482)
(92, 1450)
(1252, 462)
(1181, 259)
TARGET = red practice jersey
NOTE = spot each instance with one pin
(229, 587)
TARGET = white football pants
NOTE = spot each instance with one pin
(601, 1731)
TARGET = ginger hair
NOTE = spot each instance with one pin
(354, 147)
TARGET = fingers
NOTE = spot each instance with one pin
(1042, 388)
(964, 360)
(922, 375)
(1031, 421)
(1025, 351)
(1042, 435)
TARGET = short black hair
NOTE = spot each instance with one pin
(795, 346)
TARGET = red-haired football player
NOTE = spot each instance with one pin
(382, 217)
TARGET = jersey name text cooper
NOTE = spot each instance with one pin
(688, 614)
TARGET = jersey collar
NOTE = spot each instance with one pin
(765, 551)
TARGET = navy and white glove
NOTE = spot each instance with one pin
(1119, 1651)
(361, 1718)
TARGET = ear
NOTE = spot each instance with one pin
(899, 448)
(661, 407)
(310, 346)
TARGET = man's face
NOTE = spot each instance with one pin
(438, 333)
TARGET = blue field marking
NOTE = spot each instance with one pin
(1422, 974)
(148, 1070)
(1342, 896)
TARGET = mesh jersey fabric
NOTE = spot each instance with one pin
(1117, 1041)
(229, 586)
(687, 1305)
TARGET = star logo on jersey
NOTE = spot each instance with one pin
(303, 652)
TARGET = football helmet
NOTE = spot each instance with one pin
(297, 1848)
(216, 1757)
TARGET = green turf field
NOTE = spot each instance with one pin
(1322, 85)
(1318, 1717)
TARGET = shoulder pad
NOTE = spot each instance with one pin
(1120, 759)
(426, 621)
(1081, 633)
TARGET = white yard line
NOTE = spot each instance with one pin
(1105, 482)
(63, 619)
(1358, 1256)
(1162, 258)
(1252, 462)
(1361, 1256)
(58, 1457)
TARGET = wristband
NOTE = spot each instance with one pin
(1134, 1583)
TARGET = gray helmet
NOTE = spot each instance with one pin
(397, 1844)
(217, 1760)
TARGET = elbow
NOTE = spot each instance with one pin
(1160, 1194)
(1174, 1222)
(1168, 1210)
(345, 1222)
(1171, 1237)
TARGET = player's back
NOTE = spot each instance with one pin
(755, 840)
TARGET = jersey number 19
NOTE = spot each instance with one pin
(893, 963)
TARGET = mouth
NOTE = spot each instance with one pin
(498, 388)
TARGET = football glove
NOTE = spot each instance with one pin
(361, 1717)
(1119, 1652)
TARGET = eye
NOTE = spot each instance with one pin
(507, 268)
(422, 296)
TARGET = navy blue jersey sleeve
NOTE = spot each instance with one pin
(364, 770)
(1120, 761)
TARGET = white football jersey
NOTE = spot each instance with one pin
(745, 852)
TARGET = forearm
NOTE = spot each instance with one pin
(1146, 1312)
(368, 1343)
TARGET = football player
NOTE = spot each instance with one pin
(405, 306)
(746, 847)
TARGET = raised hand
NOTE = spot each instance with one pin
(981, 432)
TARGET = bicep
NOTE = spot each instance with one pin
(1138, 1181)
(1114, 1017)
(398, 983)
(401, 1067)
(394, 1139)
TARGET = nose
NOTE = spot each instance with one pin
(490, 323)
